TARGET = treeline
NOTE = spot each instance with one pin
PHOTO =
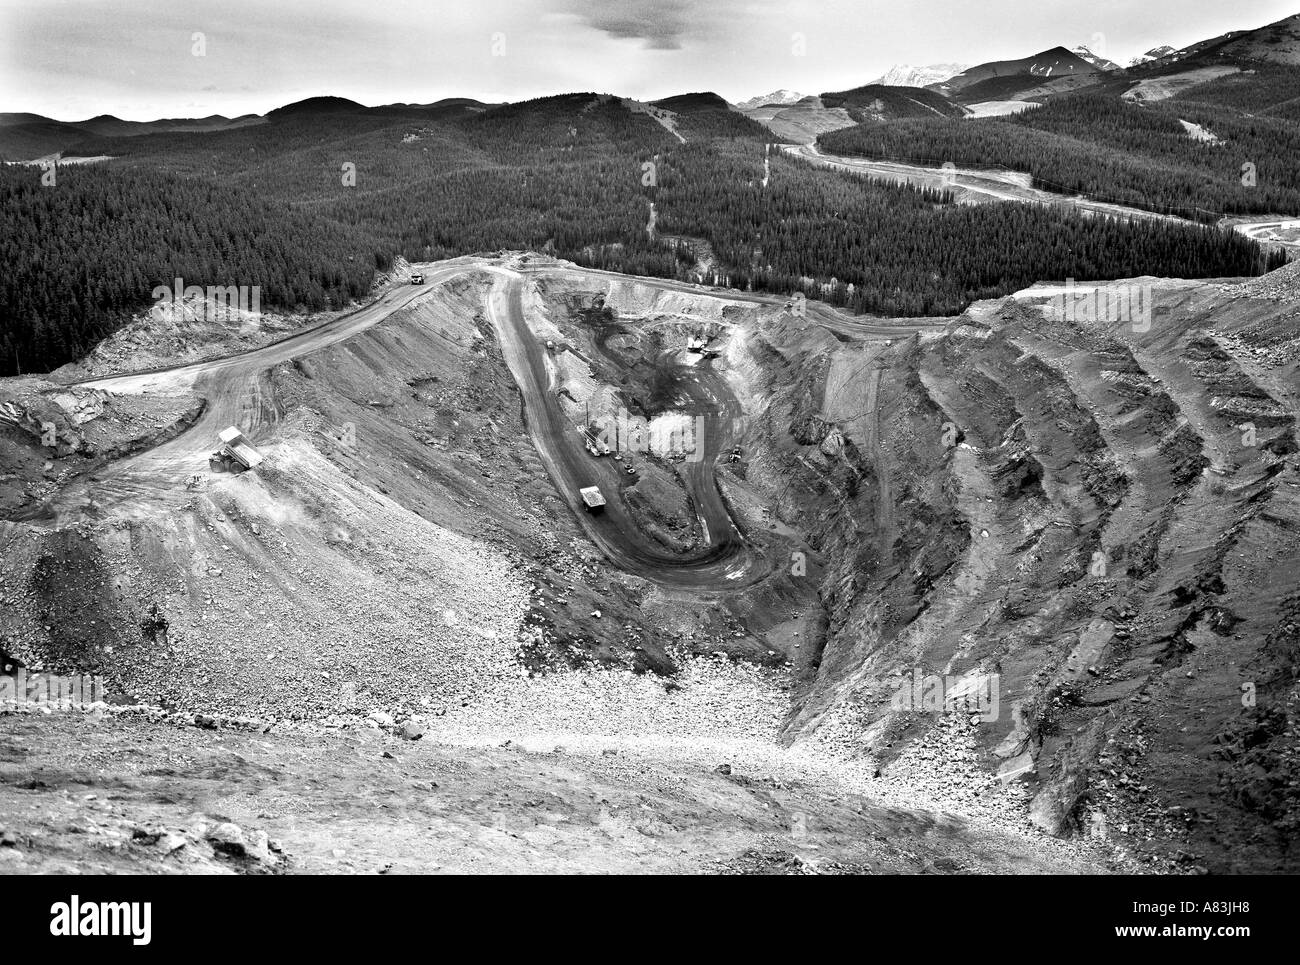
(84, 254)
(898, 250)
(573, 175)
(1107, 148)
(1261, 91)
(302, 158)
(274, 206)
(1156, 134)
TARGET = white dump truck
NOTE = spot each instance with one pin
(417, 278)
(592, 499)
(234, 454)
(594, 442)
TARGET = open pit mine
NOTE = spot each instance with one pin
(530, 567)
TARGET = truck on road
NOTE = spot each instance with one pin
(592, 499)
(594, 442)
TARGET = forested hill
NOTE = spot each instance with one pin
(82, 256)
(1108, 148)
(904, 251)
(309, 204)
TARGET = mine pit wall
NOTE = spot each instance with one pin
(871, 572)
(1081, 542)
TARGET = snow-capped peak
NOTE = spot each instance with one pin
(1097, 60)
(905, 75)
(1155, 53)
(776, 97)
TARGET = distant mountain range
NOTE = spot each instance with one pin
(28, 137)
(996, 79)
(1155, 53)
(1274, 43)
(905, 75)
(32, 137)
(1097, 60)
(903, 91)
(781, 97)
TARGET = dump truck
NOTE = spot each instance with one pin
(417, 278)
(234, 455)
(595, 444)
(592, 499)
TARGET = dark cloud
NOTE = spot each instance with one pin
(660, 23)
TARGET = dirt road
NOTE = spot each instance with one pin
(236, 390)
(832, 319)
(980, 187)
(725, 562)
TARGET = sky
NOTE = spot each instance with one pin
(144, 59)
